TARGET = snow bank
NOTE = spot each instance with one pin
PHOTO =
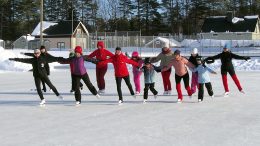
(6, 65)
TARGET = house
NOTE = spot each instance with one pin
(22, 42)
(159, 42)
(231, 28)
(61, 35)
(2, 44)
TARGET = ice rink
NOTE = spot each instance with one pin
(222, 121)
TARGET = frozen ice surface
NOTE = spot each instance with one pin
(230, 121)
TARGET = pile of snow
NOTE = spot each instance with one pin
(219, 43)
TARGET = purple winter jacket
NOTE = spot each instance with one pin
(78, 66)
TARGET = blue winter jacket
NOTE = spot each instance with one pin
(148, 75)
(203, 75)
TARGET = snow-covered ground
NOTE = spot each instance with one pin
(222, 121)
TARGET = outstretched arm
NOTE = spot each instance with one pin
(23, 60)
(235, 56)
(156, 59)
(92, 60)
(105, 61)
(129, 61)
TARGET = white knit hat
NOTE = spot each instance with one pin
(166, 45)
(194, 51)
(37, 51)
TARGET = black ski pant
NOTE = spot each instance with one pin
(118, 85)
(201, 90)
(38, 80)
(73, 83)
(148, 86)
(88, 83)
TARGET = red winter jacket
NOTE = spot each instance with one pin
(119, 62)
(101, 54)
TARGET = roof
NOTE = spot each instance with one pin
(222, 24)
(62, 28)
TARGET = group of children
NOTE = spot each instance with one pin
(101, 57)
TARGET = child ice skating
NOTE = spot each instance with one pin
(101, 54)
(227, 67)
(203, 78)
(136, 72)
(71, 55)
(165, 57)
(79, 72)
(194, 76)
(121, 72)
(44, 53)
(39, 72)
(149, 73)
(179, 63)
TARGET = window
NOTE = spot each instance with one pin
(215, 35)
(61, 45)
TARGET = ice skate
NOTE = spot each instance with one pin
(169, 92)
(60, 97)
(101, 91)
(144, 101)
(42, 102)
(242, 91)
(226, 94)
(165, 93)
(199, 100)
(179, 101)
(78, 103)
(155, 96)
(98, 96)
(120, 102)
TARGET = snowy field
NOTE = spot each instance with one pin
(222, 121)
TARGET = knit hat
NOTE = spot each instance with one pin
(42, 47)
(135, 54)
(36, 51)
(147, 60)
(101, 44)
(177, 52)
(194, 51)
(227, 46)
(166, 45)
(118, 48)
(78, 49)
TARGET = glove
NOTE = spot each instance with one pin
(12, 59)
(209, 60)
(247, 58)
(22, 53)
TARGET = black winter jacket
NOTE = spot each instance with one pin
(193, 60)
(226, 59)
(38, 64)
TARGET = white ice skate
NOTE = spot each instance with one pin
(137, 93)
(179, 101)
(101, 91)
(144, 101)
(169, 92)
(42, 102)
(200, 101)
(98, 96)
(120, 102)
(60, 97)
(242, 91)
(155, 96)
(77, 103)
(226, 94)
(165, 93)
(212, 96)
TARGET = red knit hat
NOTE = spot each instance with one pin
(78, 49)
(101, 44)
(135, 54)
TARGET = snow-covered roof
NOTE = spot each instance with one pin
(172, 42)
(251, 17)
(45, 25)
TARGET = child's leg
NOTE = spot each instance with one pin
(224, 80)
(178, 86)
(128, 83)
(201, 91)
(194, 82)
(118, 87)
(48, 82)
(137, 82)
(37, 81)
(152, 89)
(186, 83)
(77, 91)
(146, 88)
(235, 79)
(209, 88)
(90, 86)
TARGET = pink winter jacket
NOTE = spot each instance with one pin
(180, 66)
